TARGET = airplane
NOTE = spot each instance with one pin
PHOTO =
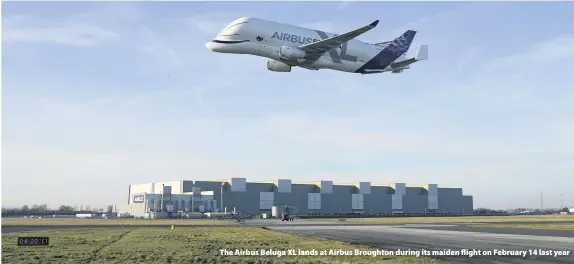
(287, 46)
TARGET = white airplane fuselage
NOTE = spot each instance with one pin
(264, 38)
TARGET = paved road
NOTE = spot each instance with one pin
(502, 230)
(404, 238)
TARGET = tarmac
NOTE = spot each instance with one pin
(434, 237)
(414, 237)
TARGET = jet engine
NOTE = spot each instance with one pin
(278, 66)
(291, 53)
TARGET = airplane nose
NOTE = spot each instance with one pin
(209, 45)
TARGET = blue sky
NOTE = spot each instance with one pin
(97, 96)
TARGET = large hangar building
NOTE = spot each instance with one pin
(321, 197)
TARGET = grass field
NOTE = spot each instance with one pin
(382, 220)
(460, 219)
(183, 245)
(139, 222)
(558, 226)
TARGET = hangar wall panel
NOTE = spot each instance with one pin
(266, 200)
(432, 202)
(260, 187)
(400, 188)
(157, 188)
(415, 191)
(214, 186)
(304, 188)
(163, 187)
(284, 186)
(336, 202)
(344, 189)
(450, 191)
(246, 202)
(238, 184)
(196, 190)
(414, 203)
(382, 190)
(141, 188)
(187, 186)
(314, 201)
(467, 204)
(379, 201)
(432, 196)
(397, 198)
(298, 201)
(167, 190)
(176, 186)
(326, 186)
(432, 189)
(397, 201)
(452, 202)
(357, 201)
(364, 187)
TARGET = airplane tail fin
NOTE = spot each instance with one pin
(401, 62)
(390, 52)
(402, 44)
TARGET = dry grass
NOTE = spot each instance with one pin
(183, 245)
(126, 222)
(560, 226)
(461, 219)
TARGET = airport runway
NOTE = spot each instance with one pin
(502, 230)
(249, 223)
(404, 237)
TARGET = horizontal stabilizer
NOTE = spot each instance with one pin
(371, 71)
(422, 54)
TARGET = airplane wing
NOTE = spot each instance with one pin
(322, 46)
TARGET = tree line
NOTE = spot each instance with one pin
(43, 209)
(485, 211)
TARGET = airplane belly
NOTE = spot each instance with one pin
(345, 66)
(240, 48)
(263, 50)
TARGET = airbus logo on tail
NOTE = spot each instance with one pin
(402, 43)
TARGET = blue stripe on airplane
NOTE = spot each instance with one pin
(389, 54)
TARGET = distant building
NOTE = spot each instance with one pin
(322, 197)
(571, 210)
